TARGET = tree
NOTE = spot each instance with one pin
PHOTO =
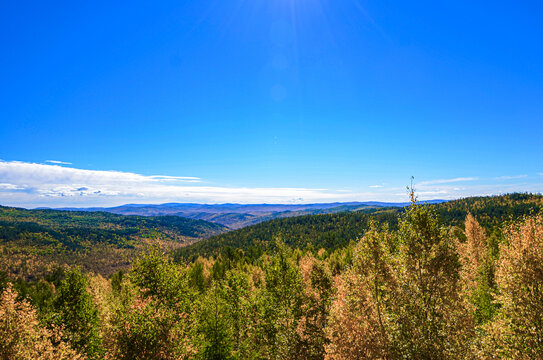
(519, 324)
(315, 308)
(431, 319)
(358, 326)
(239, 294)
(159, 278)
(281, 304)
(478, 271)
(22, 336)
(77, 315)
(148, 329)
(159, 321)
(214, 326)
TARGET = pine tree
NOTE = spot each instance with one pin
(281, 305)
(214, 326)
(431, 319)
(78, 315)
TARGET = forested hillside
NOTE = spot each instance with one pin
(236, 216)
(417, 290)
(490, 211)
(330, 231)
(32, 241)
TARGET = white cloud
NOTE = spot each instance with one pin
(10, 187)
(18, 172)
(432, 193)
(184, 178)
(511, 177)
(32, 183)
(447, 181)
(58, 162)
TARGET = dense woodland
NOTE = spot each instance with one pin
(33, 242)
(332, 231)
(328, 231)
(461, 280)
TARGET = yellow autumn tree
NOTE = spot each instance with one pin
(431, 318)
(478, 270)
(518, 329)
(23, 338)
(359, 326)
(474, 251)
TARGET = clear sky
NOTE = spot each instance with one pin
(108, 102)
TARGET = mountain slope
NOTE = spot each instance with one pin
(236, 216)
(31, 241)
(330, 231)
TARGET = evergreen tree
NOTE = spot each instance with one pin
(77, 315)
(214, 326)
(281, 305)
(431, 319)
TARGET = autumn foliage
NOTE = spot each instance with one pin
(419, 291)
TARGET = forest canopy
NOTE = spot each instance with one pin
(421, 289)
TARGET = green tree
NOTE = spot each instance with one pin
(240, 301)
(148, 329)
(159, 278)
(431, 319)
(282, 304)
(156, 323)
(77, 314)
(214, 326)
(197, 279)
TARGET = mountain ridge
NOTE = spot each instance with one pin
(335, 230)
(236, 216)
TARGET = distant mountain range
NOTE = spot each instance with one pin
(236, 216)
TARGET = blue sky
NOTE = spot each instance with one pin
(276, 100)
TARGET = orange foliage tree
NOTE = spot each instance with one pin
(22, 336)
(519, 276)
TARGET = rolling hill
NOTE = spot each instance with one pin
(335, 230)
(33, 241)
(236, 216)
